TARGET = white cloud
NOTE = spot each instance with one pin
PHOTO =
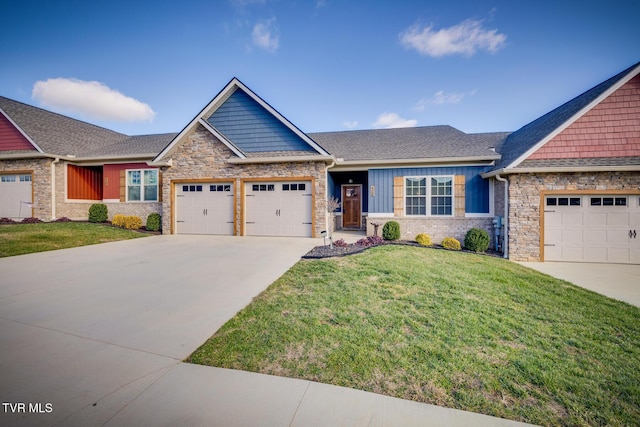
(393, 120)
(350, 125)
(92, 99)
(441, 97)
(265, 35)
(465, 38)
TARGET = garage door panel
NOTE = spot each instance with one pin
(15, 196)
(204, 208)
(278, 209)
(592, 228)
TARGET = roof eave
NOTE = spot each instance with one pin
(281, 159)
(22, 132)
(561, 169)
(418, 161)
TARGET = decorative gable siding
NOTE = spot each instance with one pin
(252, 128)
(476, 188)
(610, 129)
(11, 138)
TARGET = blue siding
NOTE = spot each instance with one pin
(476, 188)
(252, 128)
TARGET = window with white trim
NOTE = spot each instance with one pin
(429, 195)
(142, 185)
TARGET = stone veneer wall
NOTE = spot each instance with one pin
(437, 228)
(79, 209)
(203, 156)
(41, 182)
(524, 203)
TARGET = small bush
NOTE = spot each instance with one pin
(391, 230)
(451, 243)
(98, 213)
(62, 219)
(424, 239)
(119, 220)
(7, 221)
(340, 243)
(366, 242)
(132, 222)
(154, 222)
(30, 221)
(477, 240)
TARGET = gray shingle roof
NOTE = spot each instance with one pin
(529, 135)
(580, 162)
(61, 135)
(408, 143)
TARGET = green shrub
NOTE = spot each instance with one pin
(451, 243)
(477, 240)
(132, 222)
(424, 239)
(391, 230)
(98, 213)
(154, 222)
(118, 220)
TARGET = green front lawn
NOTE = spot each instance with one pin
(453, 329)
(18, 239)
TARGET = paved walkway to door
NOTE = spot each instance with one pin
(96, 335)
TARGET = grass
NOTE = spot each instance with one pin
(458, 330)
(19, 239)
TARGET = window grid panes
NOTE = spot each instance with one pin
(441, 196)
(416, 196)
(142, 185)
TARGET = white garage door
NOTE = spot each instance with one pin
(204, 208)
(278, 208)
(15, 196)
(592, 228)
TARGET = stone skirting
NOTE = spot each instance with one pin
(524, 202)
(437, 228)
(79, 210)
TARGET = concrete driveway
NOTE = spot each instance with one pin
(84, 331)
(94, 336)
(617, 281)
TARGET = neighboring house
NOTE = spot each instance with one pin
(567, 184)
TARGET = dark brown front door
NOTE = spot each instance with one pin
(351, 203)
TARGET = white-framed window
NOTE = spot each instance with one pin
(142, 185)
(429, 196)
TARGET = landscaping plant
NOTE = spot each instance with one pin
(391, 230)
(424, 239)
(451, 243)
(477, 240)
(154, 222)
(98, 213)
(118, 220)
(132, 222)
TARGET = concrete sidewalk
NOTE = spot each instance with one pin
(95, 336)
(617, 281)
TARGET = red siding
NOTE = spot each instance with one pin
(84, 183)
(610, 129)
(11, 138)
(112, 178)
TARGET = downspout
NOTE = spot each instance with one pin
(53, 187)
(505, 234)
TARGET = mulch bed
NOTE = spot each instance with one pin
(339, 251)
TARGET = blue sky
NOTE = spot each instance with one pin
(326, 65)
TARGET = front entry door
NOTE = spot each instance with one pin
(351, 206)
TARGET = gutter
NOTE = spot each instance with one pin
(390, 162)
(282, 159)
(505, 234)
